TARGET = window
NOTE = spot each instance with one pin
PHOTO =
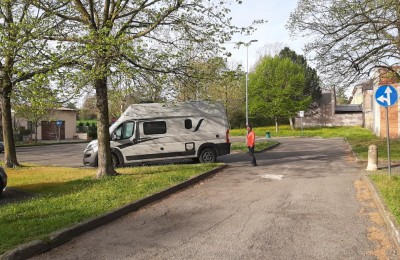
(127, 130)
(188, 124)
(154, 128)
(124, 131)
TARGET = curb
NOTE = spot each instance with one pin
(53, 143)
(57, 238)
(387, 216)
(268, 148)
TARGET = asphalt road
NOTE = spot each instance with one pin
(304, 201)
(68, 155)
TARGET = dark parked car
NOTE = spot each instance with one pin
(3, 180)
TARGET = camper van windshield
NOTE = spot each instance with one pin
(124, 131)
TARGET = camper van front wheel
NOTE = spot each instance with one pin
(114, 160)
(208, 155)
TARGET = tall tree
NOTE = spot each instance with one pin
(312, 87)
(22, 56)
(150, 35)
(211, 79)
(139, 87)
(349, 38)
(313, 83)
(276, 89)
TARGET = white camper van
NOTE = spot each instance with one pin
(152, 132)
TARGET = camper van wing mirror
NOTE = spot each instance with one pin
(113, 136)
(134, 140)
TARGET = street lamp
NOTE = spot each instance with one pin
(247, 44)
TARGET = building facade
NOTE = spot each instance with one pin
(60, 125)
(385, 77)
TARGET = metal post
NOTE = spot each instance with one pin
(247, 82)
(388, 140)
(301, 125)
(247, 44)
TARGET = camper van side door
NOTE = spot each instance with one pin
(122, 140)
(153, 139)
(165, 139)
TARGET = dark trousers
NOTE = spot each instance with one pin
(251, 153)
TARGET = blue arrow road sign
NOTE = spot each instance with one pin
(386, 95)
(58, 122)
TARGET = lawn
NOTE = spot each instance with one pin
(66, 196)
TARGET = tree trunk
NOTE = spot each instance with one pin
(291, 123)
(103, 135)
(10, 155)
(36, 128)
(276, 125)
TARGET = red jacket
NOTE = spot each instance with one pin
(251, 139)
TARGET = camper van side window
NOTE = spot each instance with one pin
(154, 128)
(188, 124)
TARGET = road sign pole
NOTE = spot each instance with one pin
(387, 96)
(388, 140)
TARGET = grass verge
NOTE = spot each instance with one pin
(66, 196)
(389, 188)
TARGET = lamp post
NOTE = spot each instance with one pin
(246, 44)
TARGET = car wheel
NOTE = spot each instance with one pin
(208, 155)
(1, 187)
(114, 160)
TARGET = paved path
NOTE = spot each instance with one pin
(302, 202)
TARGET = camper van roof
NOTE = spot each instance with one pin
(173, 109)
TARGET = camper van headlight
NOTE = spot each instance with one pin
(92, 146)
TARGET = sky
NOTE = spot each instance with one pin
(277, 13)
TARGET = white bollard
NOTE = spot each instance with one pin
(372, 158)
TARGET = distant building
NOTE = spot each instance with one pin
(385, 77)
(328, 113)
(363, 95)
(363, 109)
(48, 129)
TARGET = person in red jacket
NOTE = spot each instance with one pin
(251, 142)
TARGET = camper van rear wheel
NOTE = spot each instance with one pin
(114, 160)
(208, 155)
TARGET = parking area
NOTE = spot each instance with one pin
(66, 154)
(301, 202)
